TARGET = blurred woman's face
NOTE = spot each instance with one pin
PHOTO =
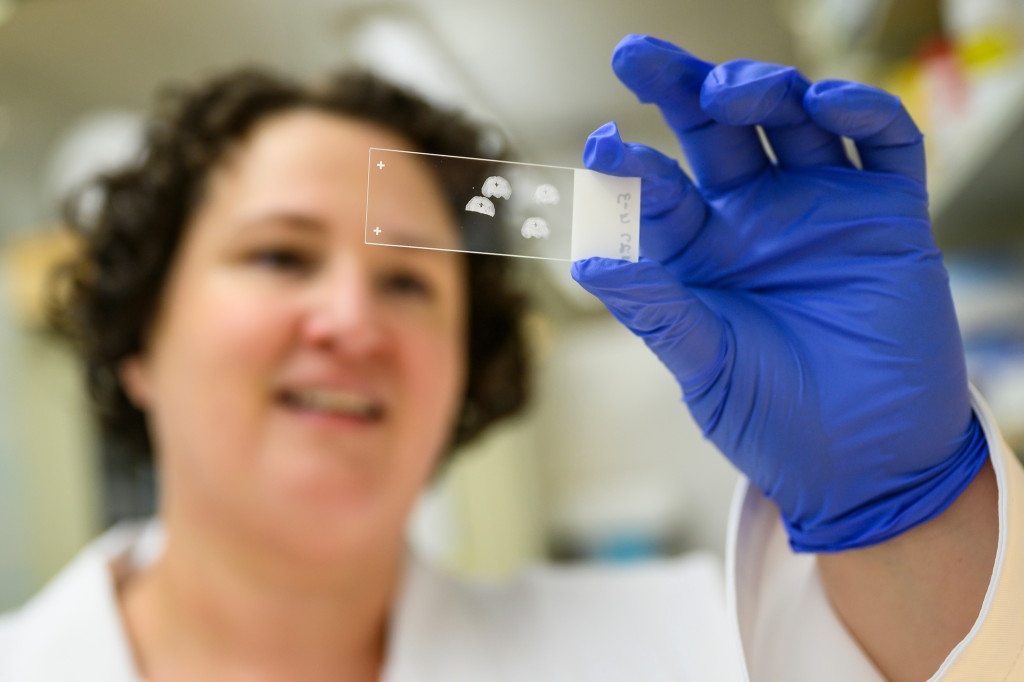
(299, 384)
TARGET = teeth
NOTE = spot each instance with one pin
(339, 402)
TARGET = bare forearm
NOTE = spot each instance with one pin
(910, 600)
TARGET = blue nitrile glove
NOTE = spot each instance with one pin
(803, 307)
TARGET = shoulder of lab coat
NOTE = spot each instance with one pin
(664, 620)
(788, 631)
(71, 630)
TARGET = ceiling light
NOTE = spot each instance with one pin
(99, 142)
(398, 43)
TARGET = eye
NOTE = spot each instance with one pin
(283, 259)
(408, 284)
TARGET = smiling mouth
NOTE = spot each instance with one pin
(334, 402)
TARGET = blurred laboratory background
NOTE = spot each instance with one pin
(606, 465)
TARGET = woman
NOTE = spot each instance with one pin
(297, 387)
(300, 387)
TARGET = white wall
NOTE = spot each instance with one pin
(48, 481)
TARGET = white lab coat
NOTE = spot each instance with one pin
(666, 620)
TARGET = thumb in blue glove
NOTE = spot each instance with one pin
(681, 329)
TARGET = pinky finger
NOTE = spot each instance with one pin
(886, 136)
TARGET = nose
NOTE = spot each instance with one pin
(343, 314)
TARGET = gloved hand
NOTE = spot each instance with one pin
(802, 306)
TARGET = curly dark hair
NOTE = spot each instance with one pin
(106, 298)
